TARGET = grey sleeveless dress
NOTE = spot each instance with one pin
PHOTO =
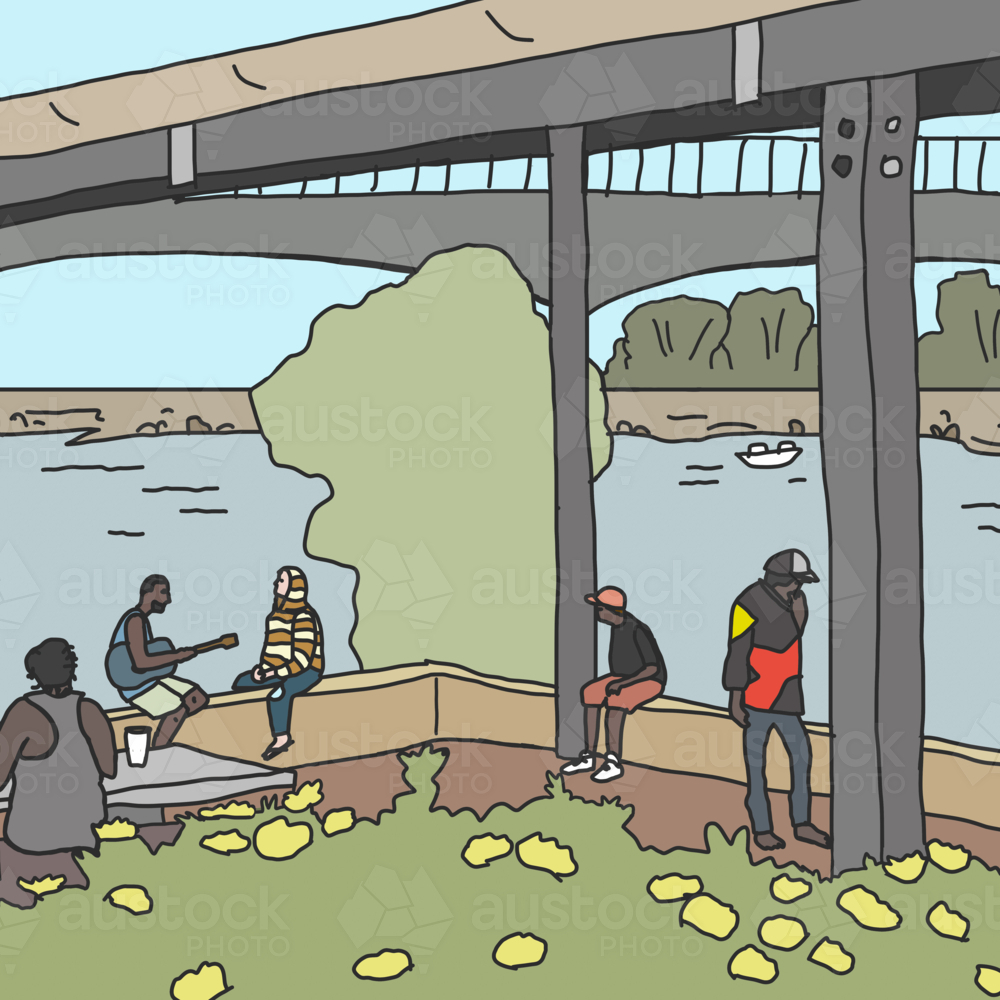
(57, 799)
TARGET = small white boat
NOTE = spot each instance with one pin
(759, 456)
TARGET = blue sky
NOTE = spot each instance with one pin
(229, 321)
(192, 320)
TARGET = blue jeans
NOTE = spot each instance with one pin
(793, 735)
(284, 689)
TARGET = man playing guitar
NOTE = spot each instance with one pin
(156, 691)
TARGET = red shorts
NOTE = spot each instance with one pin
(629, 698)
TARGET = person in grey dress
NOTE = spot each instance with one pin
(56, 744)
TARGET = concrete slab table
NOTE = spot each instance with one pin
(178, 776)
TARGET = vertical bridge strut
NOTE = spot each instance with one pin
(871, 467)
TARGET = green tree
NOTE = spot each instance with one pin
(771, 342)
(963, 353)
(429, 399)
(668, 344)
(601, 442)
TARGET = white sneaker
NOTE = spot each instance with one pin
(612, 769)
(585, 762)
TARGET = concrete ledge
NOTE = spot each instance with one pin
(369, 712)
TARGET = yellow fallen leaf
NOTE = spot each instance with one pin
(133, 898)
(868, 910)
(238, 810)
(785, 933)
(387, 964)
(752, 963)
(205, 984)
(230, 842)
(787, 890)
(546, 855)
(43, 886)
(278, 840)
(948, 923)
(670, 888)
(308, 795)
(988, 979)
(710, 916)
(832, 956)
(338, 820)
(480, 851)
(517, 951)
(119, 829)
(948, 857)
(907, 869)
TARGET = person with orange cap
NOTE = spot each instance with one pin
(763, 674)
(637, 675)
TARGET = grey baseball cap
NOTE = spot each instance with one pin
(791, 562)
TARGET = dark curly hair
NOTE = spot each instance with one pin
(51, 664)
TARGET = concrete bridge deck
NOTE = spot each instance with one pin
(637, 240)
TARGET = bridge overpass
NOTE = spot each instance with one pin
(637, 240)
(272, 115)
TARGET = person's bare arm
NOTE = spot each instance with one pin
(136, 640)
(24, 732)
(100, 736)
(645, 674)
(800, 609)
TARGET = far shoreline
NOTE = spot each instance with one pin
(967, 416)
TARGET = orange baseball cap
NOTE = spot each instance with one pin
(608, 597)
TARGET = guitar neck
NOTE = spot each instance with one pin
(206, 647)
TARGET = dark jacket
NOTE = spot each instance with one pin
(632, 648)
(765, 652)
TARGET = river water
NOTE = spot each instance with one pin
(682, 552)
(63, 574)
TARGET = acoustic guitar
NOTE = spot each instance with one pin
(121, 670)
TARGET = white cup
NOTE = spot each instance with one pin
(137, 745)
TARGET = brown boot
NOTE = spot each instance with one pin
(168, 727)
(768, 841)
(195, 700)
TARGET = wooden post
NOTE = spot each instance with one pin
(569, 263)
(871, 467)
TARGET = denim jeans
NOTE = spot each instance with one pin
(284, 689)
(793, 735)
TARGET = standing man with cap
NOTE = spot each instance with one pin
(638, 675)
(763, 673)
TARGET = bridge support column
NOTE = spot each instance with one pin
(576, 623)
(870, 401)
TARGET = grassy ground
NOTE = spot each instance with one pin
(296, 927)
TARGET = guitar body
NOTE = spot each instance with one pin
(121, 671)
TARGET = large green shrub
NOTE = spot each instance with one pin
(668, 344)
(963, 354)
(424, 408)
(771, 342)
(763, 340)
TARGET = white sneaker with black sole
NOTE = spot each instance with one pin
(585, 762)
(612, 769)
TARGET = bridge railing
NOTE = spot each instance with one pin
(963, 164)
(738, 165)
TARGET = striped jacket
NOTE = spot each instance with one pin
(294, 639)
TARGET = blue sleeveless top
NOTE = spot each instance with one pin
(119, 636)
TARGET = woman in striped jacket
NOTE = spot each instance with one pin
(291, 660)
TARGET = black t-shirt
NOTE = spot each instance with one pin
(632, 648)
